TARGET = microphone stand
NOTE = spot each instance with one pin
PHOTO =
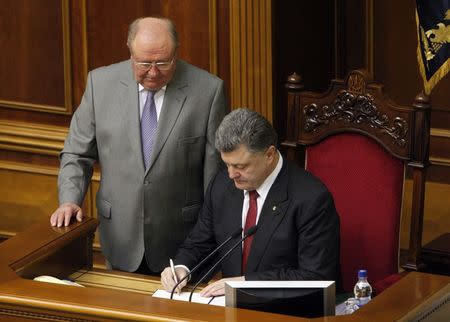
(250, 232)
(234, 235)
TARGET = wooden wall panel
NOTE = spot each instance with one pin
(34, 66)
(436, 221)
(108, 22)
(223, 42)
(193, 22)
(27, 193)
(251, 55)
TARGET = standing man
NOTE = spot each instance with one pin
(150, 123)
(298, 227)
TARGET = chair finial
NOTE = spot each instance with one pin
(294, 82)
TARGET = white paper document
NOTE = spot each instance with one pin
(51, 279)
(196, 298)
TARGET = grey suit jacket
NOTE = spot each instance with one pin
(139, 210)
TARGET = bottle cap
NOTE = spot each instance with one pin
(362, 273)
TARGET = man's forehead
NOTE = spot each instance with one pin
(238, 156)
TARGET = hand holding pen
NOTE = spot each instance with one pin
(171, 275)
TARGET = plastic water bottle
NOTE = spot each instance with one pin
(362, 289)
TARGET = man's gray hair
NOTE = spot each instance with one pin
(245, 127)
(134, 28)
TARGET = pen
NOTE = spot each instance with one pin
(173, 270)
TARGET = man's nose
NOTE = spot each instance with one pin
(232, 173)
(153, 71)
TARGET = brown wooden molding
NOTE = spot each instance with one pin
(440, 138)
(66, 53)
(440, 133)
(38, 316)
(251, 55)
(116, 280)
(213, 45)
(32, 138)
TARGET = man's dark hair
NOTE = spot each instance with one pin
(245, 127)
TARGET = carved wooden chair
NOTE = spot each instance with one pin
(359, 143)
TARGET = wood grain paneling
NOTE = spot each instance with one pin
(251, 55)
(35, 67)
(107, 36)
(193, 23)
(79, 49)
(437, 212)
(223, 42)
(107, 25)
(32, 138)
(440, 147)
(27, 194)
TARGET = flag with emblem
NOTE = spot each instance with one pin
(433, 50)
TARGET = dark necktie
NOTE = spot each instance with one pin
(149, 123)
(249, 222)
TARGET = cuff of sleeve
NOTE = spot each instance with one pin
(187, 270)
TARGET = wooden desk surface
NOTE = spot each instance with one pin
(43, 250)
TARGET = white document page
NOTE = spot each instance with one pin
(196, 298)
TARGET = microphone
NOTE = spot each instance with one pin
(249, 232)
(233, 235)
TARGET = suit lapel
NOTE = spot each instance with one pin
(174, 99)
(129, 104)
(272, 213)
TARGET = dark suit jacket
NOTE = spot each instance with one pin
(297, 236)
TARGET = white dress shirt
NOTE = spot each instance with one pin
(262, 191)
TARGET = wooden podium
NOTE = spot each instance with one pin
(110, 296)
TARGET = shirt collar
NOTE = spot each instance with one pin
(141, 88)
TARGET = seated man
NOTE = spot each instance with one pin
(298, 227)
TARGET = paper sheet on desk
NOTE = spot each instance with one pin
(196, 298)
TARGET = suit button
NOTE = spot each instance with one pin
(146, 183)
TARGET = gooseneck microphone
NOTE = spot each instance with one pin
(249, 232)
(226, 241)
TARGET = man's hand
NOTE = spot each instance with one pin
(168, 282)
(65, 211)
(218, 287)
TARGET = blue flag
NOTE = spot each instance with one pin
(433, 50)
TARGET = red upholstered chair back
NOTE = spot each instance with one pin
(359, 143)
(366, 183)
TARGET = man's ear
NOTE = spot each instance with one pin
(270, 152)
